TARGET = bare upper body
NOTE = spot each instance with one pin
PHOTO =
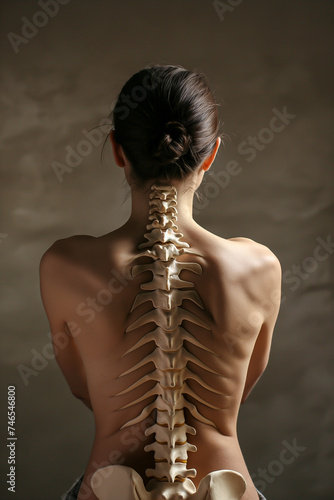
(166, 126)
(88, 293)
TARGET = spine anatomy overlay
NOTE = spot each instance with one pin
(170, 479)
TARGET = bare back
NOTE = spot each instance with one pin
(88, 291)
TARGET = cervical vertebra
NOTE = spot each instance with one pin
(166, 291)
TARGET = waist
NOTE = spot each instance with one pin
(126, 447)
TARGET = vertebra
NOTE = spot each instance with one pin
(166, 291)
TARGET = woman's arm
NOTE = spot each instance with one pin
(271, 286)
(52, 283)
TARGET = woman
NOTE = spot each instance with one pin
(223, 297)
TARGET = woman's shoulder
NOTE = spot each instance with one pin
(238, 247)
(254, 248)
(241, 259)
(256, 268)
(65, 255)
(83, 252)
(64, 247)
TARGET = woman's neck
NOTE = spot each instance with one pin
(139, 217)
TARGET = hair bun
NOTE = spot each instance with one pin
(173, 144)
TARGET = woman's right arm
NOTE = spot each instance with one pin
(271, 286)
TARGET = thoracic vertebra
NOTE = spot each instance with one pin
(166, 291)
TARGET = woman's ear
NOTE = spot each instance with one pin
(117, 150)
(208, 162)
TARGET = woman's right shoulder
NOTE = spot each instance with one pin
(254, 265)
(239, 247)
(254, 247)
(241, 259)
(258, 251)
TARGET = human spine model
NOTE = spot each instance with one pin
(170, 476)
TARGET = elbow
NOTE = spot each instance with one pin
(252, 381)
(77, 394)
(261, 368)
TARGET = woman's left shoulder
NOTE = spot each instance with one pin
(64, 249)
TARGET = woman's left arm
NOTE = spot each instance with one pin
(64, 344)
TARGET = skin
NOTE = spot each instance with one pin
(240, 289)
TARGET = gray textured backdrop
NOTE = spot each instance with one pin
(60, 79)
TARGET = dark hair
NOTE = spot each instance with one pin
(166, 121)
